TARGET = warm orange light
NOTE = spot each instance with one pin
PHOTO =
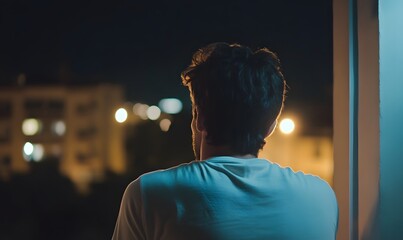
(287, 126)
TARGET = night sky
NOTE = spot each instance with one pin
(145, 45)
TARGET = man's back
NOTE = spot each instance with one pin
(228, 198)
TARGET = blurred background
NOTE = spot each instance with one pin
(91, 98)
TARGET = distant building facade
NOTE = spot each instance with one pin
(71, 124)
(312, 154)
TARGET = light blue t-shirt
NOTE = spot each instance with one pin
(227, 198)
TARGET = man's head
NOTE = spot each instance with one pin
(237, 96)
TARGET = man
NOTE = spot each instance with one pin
(227, 192)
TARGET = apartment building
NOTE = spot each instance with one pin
(74, 125)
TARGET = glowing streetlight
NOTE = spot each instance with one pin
(287, 126)
(121, 115)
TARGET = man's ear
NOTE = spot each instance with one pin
(199, 120)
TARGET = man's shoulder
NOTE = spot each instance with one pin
(316, 190)
(313, 182)
(168, 177)
(186, 175)
(303, 182)
(308, 192)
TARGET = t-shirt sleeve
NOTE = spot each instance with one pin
(129, 224)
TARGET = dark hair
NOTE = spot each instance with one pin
(239, 92)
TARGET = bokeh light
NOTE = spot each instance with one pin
(31, 126)
(121, 115)
(287, 126)
(38, 152)
(59, 127)
(165, 124)
(153, 112)
(170, 105)
(28, 148)
(33, 152)
(140, 110)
